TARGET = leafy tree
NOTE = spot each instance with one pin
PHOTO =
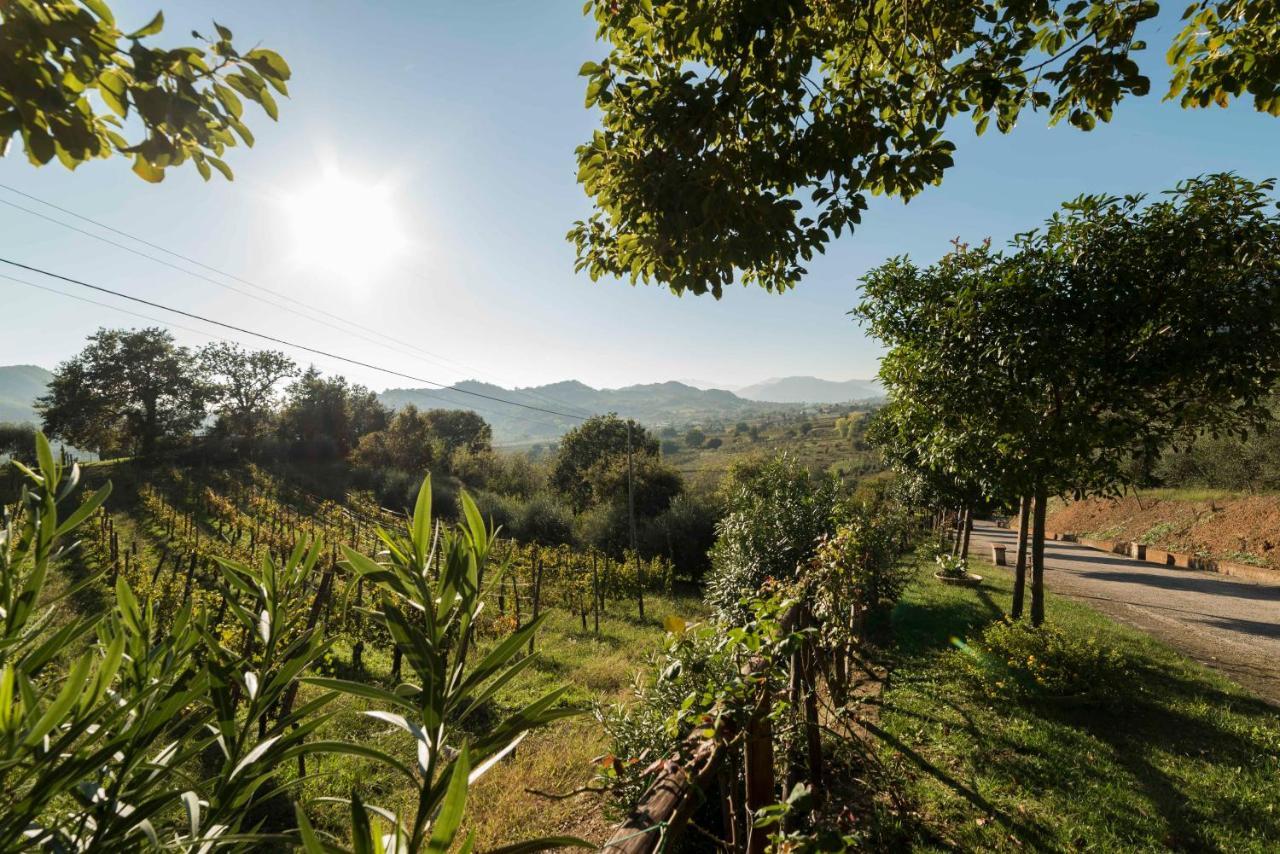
(738, 139)
(1118, 328)
(407, 443)
(325, 417)
(694, 438)
(460, 429)
(245, 383)
(599, 439)
(741, 428)
(65, 61)
(128, 390)
(713, 443)
(17, 441)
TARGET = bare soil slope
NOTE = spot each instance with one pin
(1243, 529)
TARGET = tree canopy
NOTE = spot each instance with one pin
(64, 61)
(737, 139)
(592, 447)
(128, 390)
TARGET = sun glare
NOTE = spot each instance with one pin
(345, 227)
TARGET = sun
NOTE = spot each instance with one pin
(346, 227)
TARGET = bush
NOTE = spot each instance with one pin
(543, 520)
(713, 443)
(777, 512)
(1014, 659)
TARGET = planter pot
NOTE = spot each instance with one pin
(968, 580)
(1138, 551)
(997, 555)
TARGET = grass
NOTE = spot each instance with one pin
(501, 807)
(1177, 758)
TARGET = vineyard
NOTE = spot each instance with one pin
(164, 532)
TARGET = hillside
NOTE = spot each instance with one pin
(20, 385)
(1218, 525)
(653, 404)
(811, 390)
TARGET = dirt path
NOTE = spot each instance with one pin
(1225, 623)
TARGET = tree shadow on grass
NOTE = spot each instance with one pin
(923, 627)
(1028, 834)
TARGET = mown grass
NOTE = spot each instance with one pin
(1176, 758)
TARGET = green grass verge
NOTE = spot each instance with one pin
(1178, 758)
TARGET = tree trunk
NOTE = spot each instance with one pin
(1020, 572)
(1037, 556)
(965, 530)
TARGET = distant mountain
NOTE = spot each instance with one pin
(811, 390)
(653, 404)
(20, 385)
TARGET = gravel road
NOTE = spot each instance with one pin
(1228, 624)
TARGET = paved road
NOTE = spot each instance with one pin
(1226, 623)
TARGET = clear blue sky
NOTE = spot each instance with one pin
(469, 113)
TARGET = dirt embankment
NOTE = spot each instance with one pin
(1242, 529)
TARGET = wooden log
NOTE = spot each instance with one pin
(666, 806)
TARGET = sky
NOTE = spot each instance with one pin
(461, 119)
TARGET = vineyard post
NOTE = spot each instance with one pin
(536, 579)
(759, 770)
(631, 516)
(595, 590)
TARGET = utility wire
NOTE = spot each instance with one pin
(440, 360)
(206, 334)
(275, 340)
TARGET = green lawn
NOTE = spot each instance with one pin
(1174, 758)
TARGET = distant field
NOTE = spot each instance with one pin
(813, 439)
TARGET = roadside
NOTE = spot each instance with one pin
(1228, 624)
(1171, 756)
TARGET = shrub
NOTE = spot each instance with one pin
(1014, 659)
(777, 511)
(543, 520)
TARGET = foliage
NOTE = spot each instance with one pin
(407, 443)
(126, 391)
(244, 385)
(184, 728)
(17, 441)
(325, 417)
(951, 566)
(597, 444)
(1233, 461)
(428, 598)
(856, 571)
(739, 139)
(776, 514)
(1012, 658)
(65, 60)
(694, 438)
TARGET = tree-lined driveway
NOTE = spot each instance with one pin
(1226, 623)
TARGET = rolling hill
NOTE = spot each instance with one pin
(654, 404)
(811, 390)
(20, 385)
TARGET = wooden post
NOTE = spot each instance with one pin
(759, 770)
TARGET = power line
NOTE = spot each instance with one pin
(441, 360)
(170, 324)
(275, 340)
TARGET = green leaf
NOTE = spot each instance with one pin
(269, 63)
(92, 503)
(44, 456)
(154, 26)
(421, 528)
(446, 825)
(144, 170)
(102, 10)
